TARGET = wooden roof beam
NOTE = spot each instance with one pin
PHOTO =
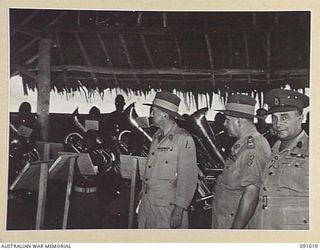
(139, 19)
(65, 78)
(27, 31)
(57, 18)
(246, 50)
(210, 57)
(146, 48)
(175, 71)
(230, 58)
(23, 69)
(227, 80)
(26, 20)
(126, 52)
(179, 56)
(106, 53)
(268, 49)
(86, 56)
(23, 48)
(172, 31)
(164, 19)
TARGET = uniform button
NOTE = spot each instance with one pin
(147, 179)
(149, 166)
(231, 214)
(166, 162)
(305, 221)
(152, 153)
(264, 189)
(270, 173)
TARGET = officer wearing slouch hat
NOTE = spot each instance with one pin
(171, 172)
(284, 194)
(237, 189)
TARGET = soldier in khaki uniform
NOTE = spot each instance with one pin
(237, 189)
(171, 172)
(284, 195)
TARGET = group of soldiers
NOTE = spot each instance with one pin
(259, 188)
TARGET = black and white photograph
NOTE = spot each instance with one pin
(158, 119)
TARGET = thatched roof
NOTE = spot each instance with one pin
(192, 52)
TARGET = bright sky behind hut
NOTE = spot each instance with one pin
(62, 103)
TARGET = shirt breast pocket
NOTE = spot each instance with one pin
(167, 169)
(295, 175)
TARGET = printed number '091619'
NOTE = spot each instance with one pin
(308, 246)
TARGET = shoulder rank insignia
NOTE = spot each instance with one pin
(250, 143)
(236, 146)
(251, 157)
(233, 157)
(299, 155)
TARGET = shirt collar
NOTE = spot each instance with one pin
(251, 131)
(169, 134)
(302, 137)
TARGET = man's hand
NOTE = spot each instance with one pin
(176, 217)
(247, 207)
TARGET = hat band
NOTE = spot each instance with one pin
(244, 108)
(165, 104)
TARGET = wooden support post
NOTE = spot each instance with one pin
(135, 171)
(42, 192)
(44, 79)
(68, 193)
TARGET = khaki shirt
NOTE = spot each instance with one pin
(284, 195)
(243, 167)
(171, 172)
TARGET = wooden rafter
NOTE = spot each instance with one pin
(210, 56)
(164, 19)
(139, 19)
(172, 31)
(268, 49)
(146, 48)
(27, 31)
(276, 18)
(175, 71)
(230, 57)
(26, 20)
(86, 56)
(246, 50)
(65, 78)
(32, 59)
(106, 53)
(57, 18)
(243, 79)
(179, 56)
(23, 48)
(126, 52)
(254, 18)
